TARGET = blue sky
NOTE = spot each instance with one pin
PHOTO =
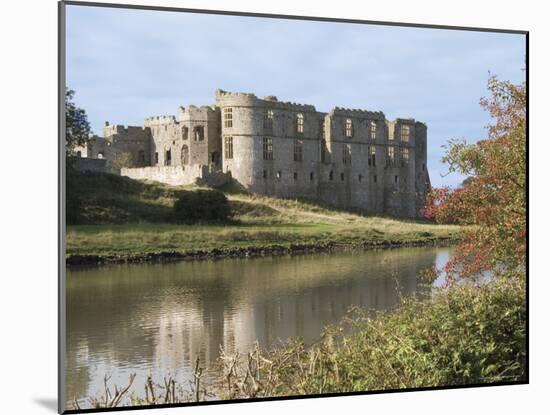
(126, 65)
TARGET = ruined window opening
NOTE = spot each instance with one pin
(215, 157)
(156, 157)
(228, 144)
(423, 166)
(279, 174)
(405, 133)
(100, 155)
(268, 119)
(342, 176)
(405, 157)
(300, 123)
(373, 130)
(375, 178)
(331, 175)
(311, 176)
(184, 133)
(391, 156)
(346, 154)
(141, 156)
(185, 155)
(360, 177)
(228, 117)
(298, 150)
(295, 176)
(79, 154)
(324, 151)
(268, 148)
(168, 158)
(396, 179)
(265, 174)
(199, 133)
(349, 128)
(165, 128)
(371, 156)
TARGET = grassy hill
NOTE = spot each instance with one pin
(120, 217)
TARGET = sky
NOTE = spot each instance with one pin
(126, 65)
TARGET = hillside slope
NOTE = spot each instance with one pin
(122, 218)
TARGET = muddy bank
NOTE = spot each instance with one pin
(249, 252)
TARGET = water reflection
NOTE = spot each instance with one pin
(156, 318)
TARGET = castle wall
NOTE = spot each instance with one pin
(131, 144)
(279, 174)
(193, 139)
(88, 165)
(178, 175)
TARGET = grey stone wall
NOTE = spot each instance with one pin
(88, 165)
(178, 175)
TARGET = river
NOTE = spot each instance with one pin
(156, 318)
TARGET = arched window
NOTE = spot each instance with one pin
(100, 155)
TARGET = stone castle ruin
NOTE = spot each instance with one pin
(346, 158)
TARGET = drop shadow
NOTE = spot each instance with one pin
(48, 403)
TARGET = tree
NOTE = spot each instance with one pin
(493, 199)
(122, 160)
(77, 125)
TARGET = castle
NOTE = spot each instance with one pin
(346, 158)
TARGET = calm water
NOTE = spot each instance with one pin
(156, 318)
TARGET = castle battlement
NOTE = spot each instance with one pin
(160, 120)
(353, 112)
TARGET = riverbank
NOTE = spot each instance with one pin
(121, 220)
(251, 251)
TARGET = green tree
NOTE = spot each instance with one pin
(77, 125)
(122, 160)
(493, 198)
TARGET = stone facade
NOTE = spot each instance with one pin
(346, 158)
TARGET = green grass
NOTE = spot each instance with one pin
(120, 216)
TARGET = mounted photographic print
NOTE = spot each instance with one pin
(273, 207)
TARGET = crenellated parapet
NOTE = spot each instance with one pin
(232, 99)
(159, 120)
(123, 131)
(202, 113)
(357, 113)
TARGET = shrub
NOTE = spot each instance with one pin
(201, 205)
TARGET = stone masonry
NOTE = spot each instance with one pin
(346, 158)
